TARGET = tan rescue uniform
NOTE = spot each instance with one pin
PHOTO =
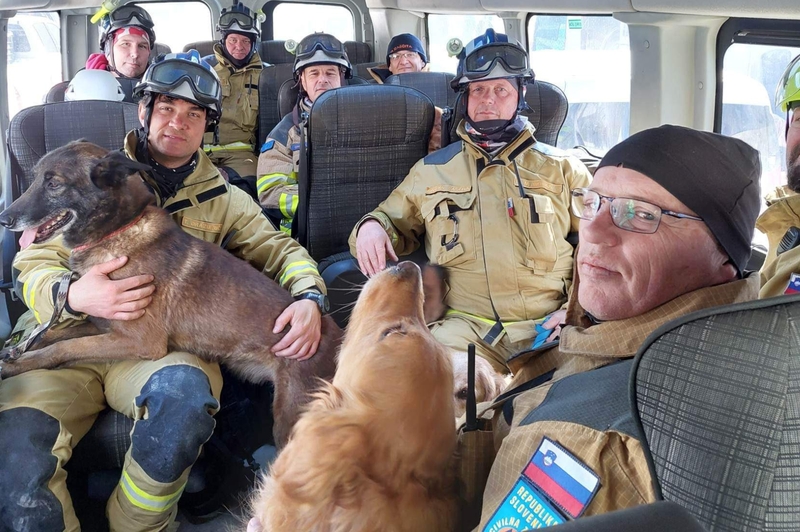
(207, 208)
(783, 212)
(239, 122)
(278, 165)
(615, 457)
(520, 268)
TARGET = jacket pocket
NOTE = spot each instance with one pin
(449, 214)
(542, 249)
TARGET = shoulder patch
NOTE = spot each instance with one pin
(524, 508)
(794, 285)
(549, 150)
(444, 155)
(267, 145)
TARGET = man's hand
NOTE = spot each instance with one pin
(301, 342)
(554, 323)
(372, 245)
(97, 295)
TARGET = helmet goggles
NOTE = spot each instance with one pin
(319, 41)
(243, 20)
(483, 60)
(168, 75)
(130, 15)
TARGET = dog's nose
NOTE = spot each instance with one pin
(6, 220)
(407, 269)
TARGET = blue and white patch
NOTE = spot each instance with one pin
(295, 146)
(794, 285)
(524, 508)
(267, 145)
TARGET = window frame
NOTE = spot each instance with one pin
(750, 31)
(267, 30)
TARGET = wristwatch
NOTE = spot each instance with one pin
(321, 300)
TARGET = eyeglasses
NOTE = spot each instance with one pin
(628, 214)
(403, 55)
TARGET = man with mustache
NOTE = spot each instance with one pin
(492, 209)
(665, 230)
(44, 413)
(781, 221)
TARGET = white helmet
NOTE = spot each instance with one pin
(94, 85)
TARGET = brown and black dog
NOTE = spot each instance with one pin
(207, 302)
(374, 450)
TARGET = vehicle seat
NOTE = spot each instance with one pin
(361, 70)
(548, 105)
(203, 47)
(279, 69)
(717, 393)
(434, 85)
(348, 169)
(287, 94)
(158, 49)
(358, 52)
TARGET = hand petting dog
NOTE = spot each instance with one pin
(301, 342)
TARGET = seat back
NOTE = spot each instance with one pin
(275, 53)
(434, 85)
(287, 94)
(158, 49)
(718, 397)
(362, 141)
(548, 105)
(362, 70)
(358, 52)
(203, 47)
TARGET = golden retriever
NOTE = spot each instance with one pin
(488, 382)
(374, 451)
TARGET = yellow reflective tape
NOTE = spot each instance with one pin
(452, 312)
(296, 267)
(152, 503)
(30, 286)
(288, 205)
(231, 146)
(270, 180)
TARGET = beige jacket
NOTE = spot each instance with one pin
(207, 208)
(783, 212)
(455, 203)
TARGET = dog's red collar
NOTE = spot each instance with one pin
(111, 235)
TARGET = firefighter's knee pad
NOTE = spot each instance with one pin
(179, 421)
(27, 438)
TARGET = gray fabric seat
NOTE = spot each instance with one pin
(362, 70)
(203, 47)
(287, 94)
(358, 52)
(362, 142)
(548, 112)
(279, 69)
(718, 396)
(434, 85)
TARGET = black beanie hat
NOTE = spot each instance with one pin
(714, 175)
(406, 41)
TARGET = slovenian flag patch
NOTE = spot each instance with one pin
(562, 478)
(794, 285)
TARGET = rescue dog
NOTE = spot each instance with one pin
(207, 302)
(374, 449)
(488, 382)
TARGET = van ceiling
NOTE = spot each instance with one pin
(727, 8)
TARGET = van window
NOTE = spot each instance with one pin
(34, 58)
(442, 28)
(296, 20)
(750, 75)
(589, 58)
(179, 23)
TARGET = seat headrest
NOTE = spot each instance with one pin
(274, 53)
(158, 49)
(434, 85)
(358, 52)
(204, 47)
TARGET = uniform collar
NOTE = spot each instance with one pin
(521, 143)
(205, 177)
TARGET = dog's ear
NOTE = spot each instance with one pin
(114, 168)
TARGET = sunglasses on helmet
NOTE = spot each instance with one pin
(171, 74)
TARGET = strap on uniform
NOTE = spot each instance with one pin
(16, 347)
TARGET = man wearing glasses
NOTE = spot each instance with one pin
(781, 222)
(492, 209)
(405, 53)
(665, 230)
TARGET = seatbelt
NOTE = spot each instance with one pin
(16, 345)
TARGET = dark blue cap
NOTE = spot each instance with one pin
(406, 41)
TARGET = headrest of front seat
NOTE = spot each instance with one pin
(274, 53)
